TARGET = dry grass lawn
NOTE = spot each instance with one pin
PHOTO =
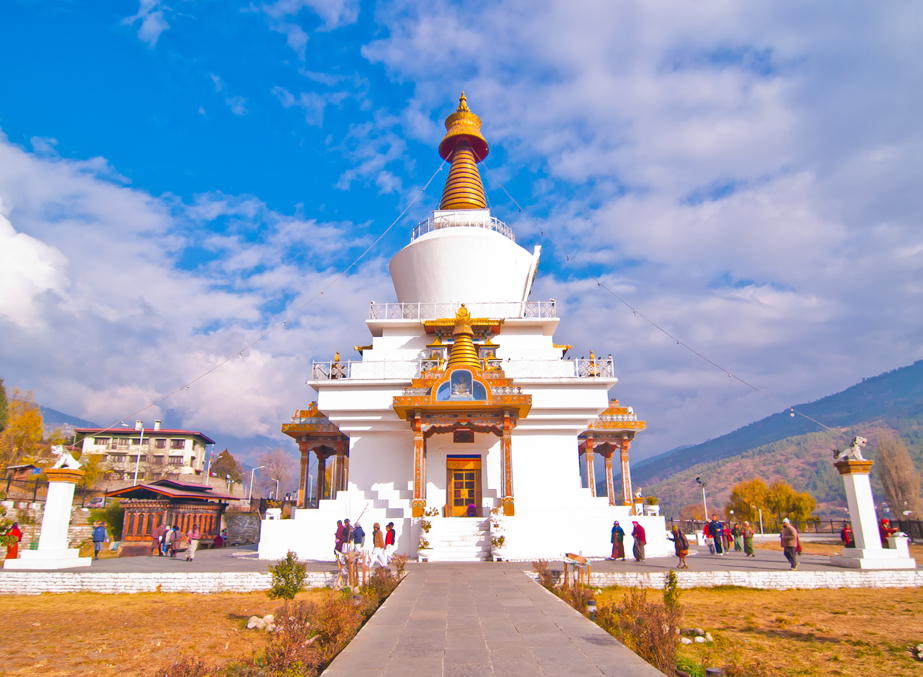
(831, 548)
(94, 634)
(863, 632)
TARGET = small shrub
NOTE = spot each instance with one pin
(671, 591)
(577, 596)
(291, 647)
(287, 577)
(752, 669)
(498, 542)
(335, 620)
(544, 576)
(186, 667)
(650, 629)
(381, 584)
(399, 562)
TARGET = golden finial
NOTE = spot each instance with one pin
(464, 146)
(463, 352)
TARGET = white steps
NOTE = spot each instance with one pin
(459, 539)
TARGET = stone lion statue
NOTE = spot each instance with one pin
(65, 460)
(854, 451)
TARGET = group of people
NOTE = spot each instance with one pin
(618, 542)
(166, 541)
(885, 531)
(720, 537)
(351, 538)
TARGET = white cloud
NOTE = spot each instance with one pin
(99, 318)
(236, 104)
(152, 21)
(312, 103)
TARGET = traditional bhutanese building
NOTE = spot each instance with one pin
(463, 404)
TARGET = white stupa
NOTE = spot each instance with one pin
(463, 405)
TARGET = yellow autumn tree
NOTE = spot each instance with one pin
(22, 436)
(747, 498)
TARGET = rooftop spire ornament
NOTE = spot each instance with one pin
(464, 146)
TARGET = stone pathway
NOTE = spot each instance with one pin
(455, 620)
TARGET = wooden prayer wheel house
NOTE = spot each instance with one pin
(167, 503)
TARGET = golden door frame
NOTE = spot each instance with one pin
(463, 463)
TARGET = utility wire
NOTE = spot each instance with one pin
(284, 321)
(644, 317)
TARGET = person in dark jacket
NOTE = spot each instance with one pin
(716, 529)
(358, 537)
(681, 544)
(789, 537)
(99, 537)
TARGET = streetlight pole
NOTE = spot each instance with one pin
(704, 501)
(250, 491)
(134, 482)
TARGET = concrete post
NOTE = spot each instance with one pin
(53, 552)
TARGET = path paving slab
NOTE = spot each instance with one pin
(473, 619)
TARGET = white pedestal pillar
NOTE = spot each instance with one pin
(868, 553)
(53, 552)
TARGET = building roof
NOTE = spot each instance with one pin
(171, 489)
(148, 432)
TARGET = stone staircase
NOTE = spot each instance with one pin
(459, 539)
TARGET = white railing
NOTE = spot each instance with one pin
(460, 219)
(407, 370)
(434, 311)
(371, 371)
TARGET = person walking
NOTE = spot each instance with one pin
(640, 541)
(789, 537)
(847, 536)
(358, 537)
(347, 536)
(339, 536)
(709, 539)
(169, 536)
(157, 541)
(618, 542)
(681, 544)
(99, 537)
(716, 529)
(15, 536)
(736, 533)
(748, 533)
(390, 539)
(378, 546)
(193, 535)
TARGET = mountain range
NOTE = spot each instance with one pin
(793, 448)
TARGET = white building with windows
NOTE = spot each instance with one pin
(155, 453)
(463, 416)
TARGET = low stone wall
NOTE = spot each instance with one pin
(760, 580)
(38, 582)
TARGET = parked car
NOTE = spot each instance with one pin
(97, 502)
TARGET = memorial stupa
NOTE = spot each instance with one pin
(463, 412)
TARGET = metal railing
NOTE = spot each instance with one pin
(462, 220)
(435, 311)
(410, 369)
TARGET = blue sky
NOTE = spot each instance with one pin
(175, 177)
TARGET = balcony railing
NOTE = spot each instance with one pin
(457, 220)
(407, 370)
(433, 311)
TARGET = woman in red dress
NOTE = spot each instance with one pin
(15, 535)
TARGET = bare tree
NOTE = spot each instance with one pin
(278, 466)
(899, 476)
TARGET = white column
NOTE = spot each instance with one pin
(868, 553)
(53, 552)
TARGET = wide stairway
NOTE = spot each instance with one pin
(459, 539)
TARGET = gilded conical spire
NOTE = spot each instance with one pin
(463, 352)
(465, 147)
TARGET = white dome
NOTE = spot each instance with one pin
(463, 264)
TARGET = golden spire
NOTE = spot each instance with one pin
(463, 353)
(465, 147)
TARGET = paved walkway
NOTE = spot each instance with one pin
(470, 619)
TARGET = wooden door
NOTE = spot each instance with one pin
(463, 485)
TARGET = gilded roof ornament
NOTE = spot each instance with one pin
(465, 146)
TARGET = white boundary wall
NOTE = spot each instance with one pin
(761, 580)
(36, 583)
